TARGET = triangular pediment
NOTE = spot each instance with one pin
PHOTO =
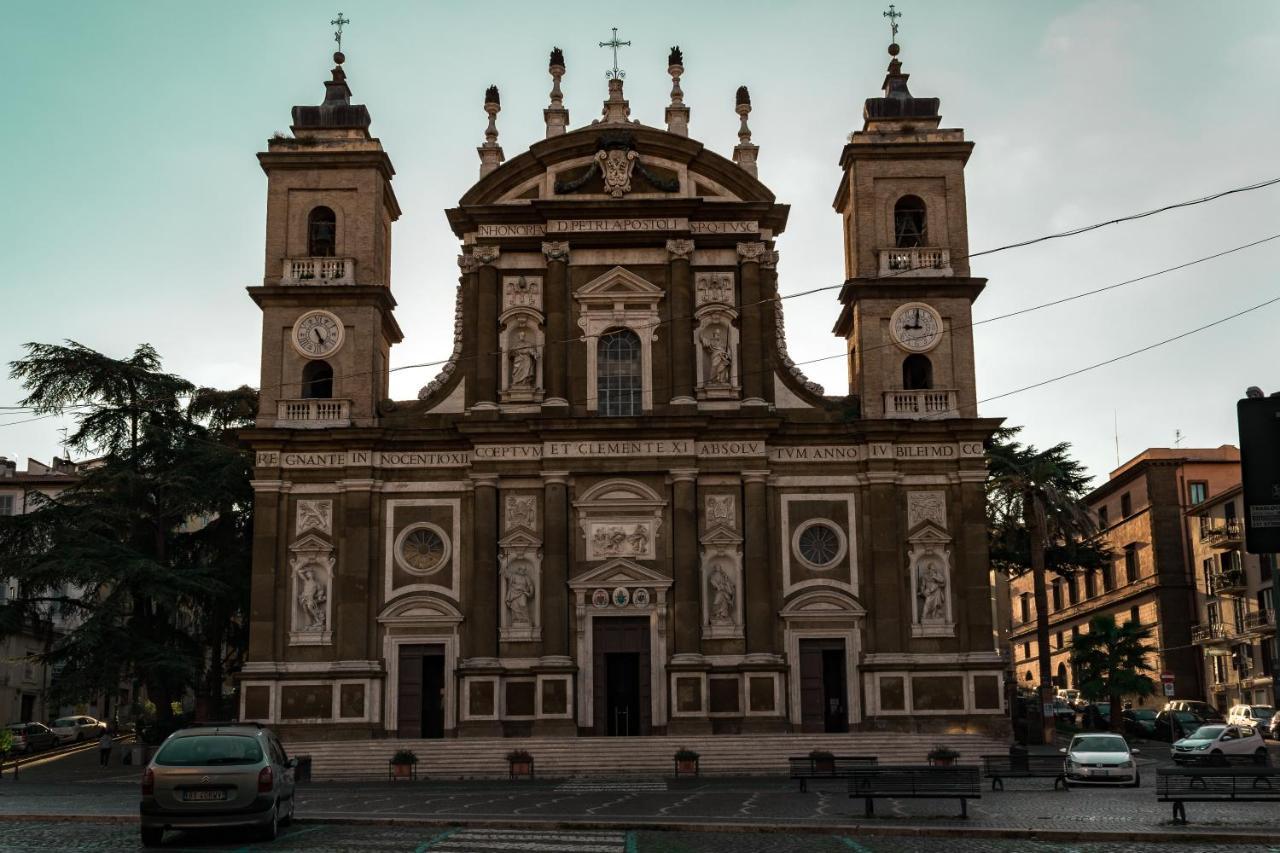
(929, 532)
(310, 542)
(620, 572)
(619, 283)
(720, 534)
(520, 538)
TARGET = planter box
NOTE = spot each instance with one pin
(521, 768)
(686, 767)
(402, 771)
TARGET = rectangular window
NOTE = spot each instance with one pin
(1057, 595)
(1206, 524)
(1075, 633)
(1130, 563)
(1266, 567)
(1134, 615)
(1090, 584)
(1073, 590)
(1268, 661)
(1026, 650)
(1102, 518)
(6, 504)
(1197, 491)
(1025, 604)
(1126, 505)
(1237, 612)
(1211, 613)
(1108, 576)
(1229, 510)
(1058, 639)
(1264, 602)
(1208, 574)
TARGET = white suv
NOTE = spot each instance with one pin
(1258, 716)
(1213, 744)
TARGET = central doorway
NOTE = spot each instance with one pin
(620, 682)
(420, 692)
(823, 689)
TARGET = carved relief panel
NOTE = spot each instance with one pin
(522, 339)
(620, 518)
(314, 515)
(929, 565)
(716, 336)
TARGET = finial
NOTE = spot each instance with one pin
(677, 112)
(491, 96)
(893, 15)
(744, 153)
(615, 73)
(555, 115)
(339, 22)
(491, 155)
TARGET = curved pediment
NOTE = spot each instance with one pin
(577, 164)
(816, 603)
(619, 493)
(418, 608)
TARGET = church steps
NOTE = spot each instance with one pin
(480, 758)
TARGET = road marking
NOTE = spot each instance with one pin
(440, 836)
(531, 841)
(591, 786)
(853, 845)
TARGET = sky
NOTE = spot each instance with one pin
(134, 208)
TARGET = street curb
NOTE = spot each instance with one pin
(878, 829)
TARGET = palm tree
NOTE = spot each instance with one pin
(1111, 660)
(1037, 519)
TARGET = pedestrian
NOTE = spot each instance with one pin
(104, 748)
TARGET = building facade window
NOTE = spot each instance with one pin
(1108, 576)
(1130, 563)
(1197, 491)
(6, 504)
(1024, 603)
(619, 374)
(1073, 590)
(1058, 639)
(910, 222)
(1102, 518)
(1026, 650)
(1090, 584)
(317, 380)
(322, 232)
(1229, 511)
(1126, 505)
(1057, 595)
(917, 373)
(1266, 565)
(1134, 615)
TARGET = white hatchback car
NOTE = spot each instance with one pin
(1101, 758)
(1213, 744)
(1257, 716)
(80, 728)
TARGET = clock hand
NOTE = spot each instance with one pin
(319, 336)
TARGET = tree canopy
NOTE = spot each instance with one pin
(145, 558)
(1110, 661)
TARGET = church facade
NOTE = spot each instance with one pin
(620, 508)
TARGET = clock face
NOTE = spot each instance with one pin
(916, 327)
(317, 334)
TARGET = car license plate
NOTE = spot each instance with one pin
(203, 796)
(1099, 771)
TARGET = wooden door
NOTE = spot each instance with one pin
(627, 637)
(420, 692)
(812, 689)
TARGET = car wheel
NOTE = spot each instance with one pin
(1137, 781)
(152, 836)
(272, 829)
(288, 819)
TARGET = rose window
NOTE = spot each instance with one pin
(422, 549)
(819, 544)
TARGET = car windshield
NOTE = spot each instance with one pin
(1185, 716)
(1099, 744)
(1206, 733)
(209, 750)
(1143, 715)
(64, 723)
(1263, 712)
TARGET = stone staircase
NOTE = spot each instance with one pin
(721, 755)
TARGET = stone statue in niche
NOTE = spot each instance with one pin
(521, 511)
(932, 585)
(724, 595)
(719, 358)
(720, 510)
(519, 594)
(312, 596)
(523, 362)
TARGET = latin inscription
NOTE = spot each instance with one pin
(817, 453)
(751, 227)
(512, 230)
(591, 226)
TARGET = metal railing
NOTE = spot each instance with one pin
(916, 260)
(919, 404)
(1227, 580)
(1228, 533)
(1260, 622)
(1211, 633)
(319, 271)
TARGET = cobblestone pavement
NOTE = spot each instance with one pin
(122, 836)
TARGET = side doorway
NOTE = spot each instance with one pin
(824, 694)
(420, 692)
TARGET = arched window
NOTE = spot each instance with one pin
(619, 384)
(317, 380)
(917, 373)
(322, 233)
(1062, 675)
(909, 222)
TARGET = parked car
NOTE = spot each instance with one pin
(70, 729)
(1096, 716)
(1064, 712)
(1275, 727)
(1101, 757)
(1215, 743)
(215, 776)
(1071, 696)
(29, 737)
(1258, 716)
(1174, 725)
(1139, 722)
(1203, 710)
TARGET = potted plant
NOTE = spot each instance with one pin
(404, 764)
(686, 762)
(942, 756)
(823, 761)
(521, 763)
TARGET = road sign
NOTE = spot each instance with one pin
(1259, 420)
(1167, 679)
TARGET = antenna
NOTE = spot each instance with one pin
(1178, 438)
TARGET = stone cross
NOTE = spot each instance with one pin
(339, 22)
(615, 44)
(893, 15)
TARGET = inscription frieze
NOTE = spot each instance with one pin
(592, 226)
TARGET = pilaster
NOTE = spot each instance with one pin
(487, 303)
(760, 614)
(482, 586)
(555, 566)
(687, 592)
(749, 255)
(556, 300)
(682, 356)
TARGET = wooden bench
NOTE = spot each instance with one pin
(804, 768)
(921, 782)
(997, 768)
(1179, 785)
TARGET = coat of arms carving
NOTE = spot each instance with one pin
(926, 506)
(521, 511)
(615, 168)
(720, 510)
(314, 515)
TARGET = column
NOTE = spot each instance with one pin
(555, 369)
(752, 355)
(755, 554)
(555, 565)
(683, 362)
(481, 606)
(263, 624)
(688, 583)
(488, 298)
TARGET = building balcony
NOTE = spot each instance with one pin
(1229, 534)
(1260, 623)
(915, 261)
(1227, 582)
(313, 414)
(932, 403)
(1212, 634)
(319, 271)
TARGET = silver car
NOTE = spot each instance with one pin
(1100, 757)
(215, 776)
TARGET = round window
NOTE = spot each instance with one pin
(818, 544)
(422, 549)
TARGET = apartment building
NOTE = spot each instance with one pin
(1141, 512)
(1235, 601)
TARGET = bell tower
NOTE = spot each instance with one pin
(327, 324)
(908, 295)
